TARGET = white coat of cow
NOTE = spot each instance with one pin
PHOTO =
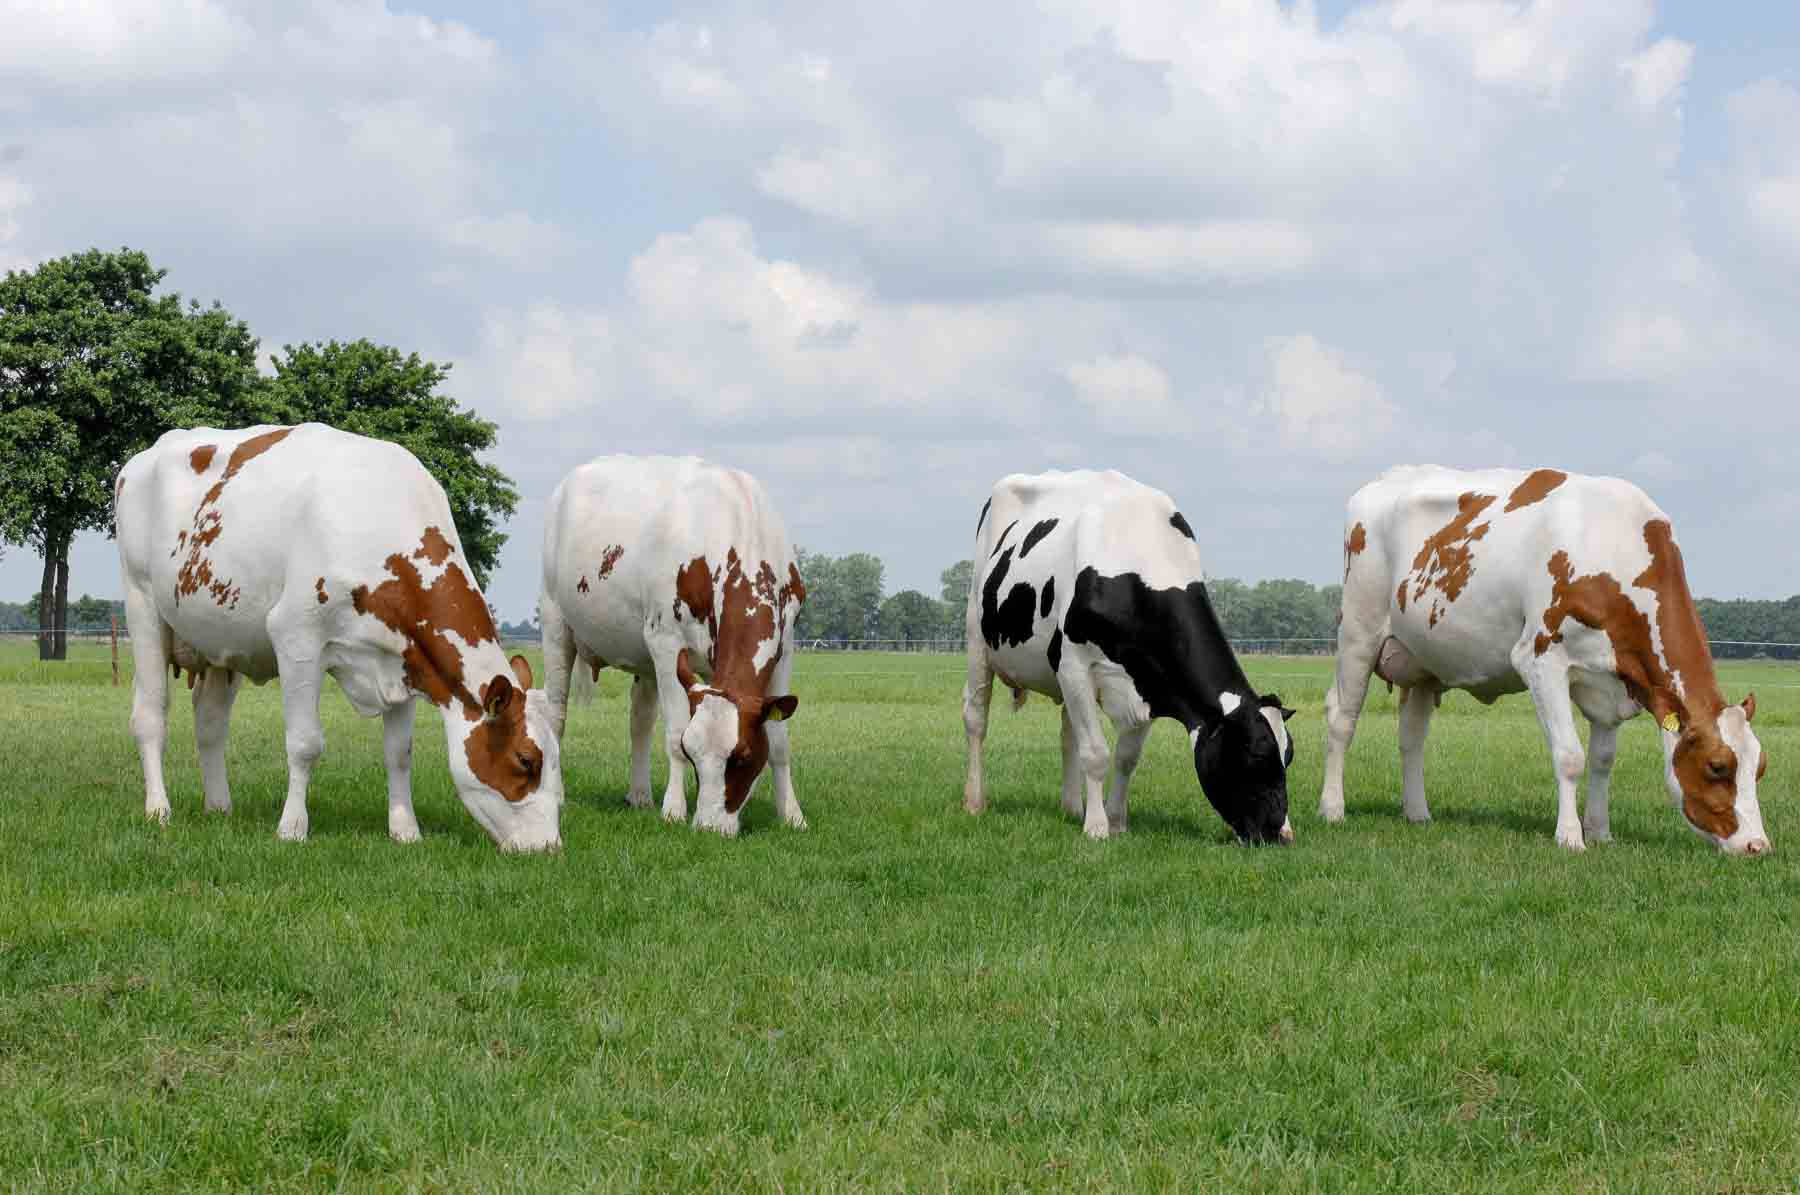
(297, 552)
(679, 572)
(1570, 587)
(1087, 587)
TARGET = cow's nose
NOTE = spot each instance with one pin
(1287, 832)
(1758, 846)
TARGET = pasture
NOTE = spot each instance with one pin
(902, 997)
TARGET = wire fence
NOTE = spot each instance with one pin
(1722, 649)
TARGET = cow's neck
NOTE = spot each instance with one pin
(1681, 673)
(1198, 684)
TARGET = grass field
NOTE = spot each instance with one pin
(901, 997)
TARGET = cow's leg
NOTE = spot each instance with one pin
(1072, 788)
(643, 723)
(1548, 678)
(1603, 748)
(978, 692)
(1083, 706)
(1416, 708)
(149, 695)
(301, 680)
(1357, 648)
(1126, 753)
(673, 700)
(787, 805)
(213, 694)
(559, 662)
(396, 753)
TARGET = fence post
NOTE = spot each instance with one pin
(115, 649)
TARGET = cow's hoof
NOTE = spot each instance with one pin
(158, 813)
(1331, 813)
(1418, 817)
(638, 800)
(1596, 833)
(291, 829)
(1098, 833)
(794, 821)
(974, 806)
(674, 812)
(725, 825)
(404, 834)
(223, 806)
(1570, 841)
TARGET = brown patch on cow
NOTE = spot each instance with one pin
(500, 751)
(609, 558)
(433, 546)
(423, 615)
(581, 586)
(1535, 488)
(1680, 680)
(795, 587)
(319, 588)
(1444, 560)
(694, 589)
(202, 457)
(1354, 543)
(196, 571)
(1400, 596)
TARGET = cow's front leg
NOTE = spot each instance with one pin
(300, 684)
(787, 805)
(1603, 748)
(1083, 707)
(1548, 678)
(559, 662)
(1126, 753)
(978, 693)
(1416, 707)
(213, 694)
(643, 723)
(673, 700)
(396, 753)
(149, 696)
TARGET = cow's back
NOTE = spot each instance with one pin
(220, 527)
(1458, 562)
(620, 530)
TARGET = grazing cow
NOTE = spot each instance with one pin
(1571, 587)
(1087, 588)
(678, 572)
(301, 551)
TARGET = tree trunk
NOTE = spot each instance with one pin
(62, 601)
(47, 602)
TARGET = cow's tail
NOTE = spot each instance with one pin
(1019, 696)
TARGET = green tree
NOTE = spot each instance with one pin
(956, 581)
(910, 615)
(843, 596)
(372, 390)
(93, 367)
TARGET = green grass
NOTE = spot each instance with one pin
(901, 997)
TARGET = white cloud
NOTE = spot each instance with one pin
(1765, 124)
(90, 44)
(14, 196)
(1657, 466)
(1207, 250)
(514, 237)
(1322, 407)
(1659, 72)
(1126, 392)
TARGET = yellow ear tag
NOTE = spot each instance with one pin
(775, 714)
(1671, 723)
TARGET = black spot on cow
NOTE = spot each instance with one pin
(1170, 643)
(1008, 622)
(1047, 598)
(983, 518)
(1055, 652)
(1180, 524)
(1035, 536)
(1001, 542)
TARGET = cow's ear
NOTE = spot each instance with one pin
(1273, 701)
(1287, 713)
(498, 697)
(683, 672)
(521, 671)
(1749, 706)
(780, 709)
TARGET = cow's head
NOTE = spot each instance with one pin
(727, 741)
(1242, 762)
(1712, 766)
(508, 769)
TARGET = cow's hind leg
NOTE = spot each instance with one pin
(1073, 789)
(643, 724)
(1603, 748)
(978, 693)
(301, 680)
(396, 753)
(559, 662)
(1126, 753)
(787, 805)
(1091, 752)
(1358, 645)
(1548, 678)
(149, 695)
(1416, 707)
(214, 692)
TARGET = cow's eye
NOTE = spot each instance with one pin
(527, 764)
(1718, 769)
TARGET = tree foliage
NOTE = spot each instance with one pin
(93, 367)
(373, 390)
(910, 615)
(843, 596)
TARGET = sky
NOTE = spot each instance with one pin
(1252, 253)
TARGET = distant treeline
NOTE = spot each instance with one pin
(847, 603)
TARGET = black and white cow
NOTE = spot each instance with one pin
(1087, 588)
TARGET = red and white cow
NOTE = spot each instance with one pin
(301, 551)
(1571, 587)
(678, 572)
